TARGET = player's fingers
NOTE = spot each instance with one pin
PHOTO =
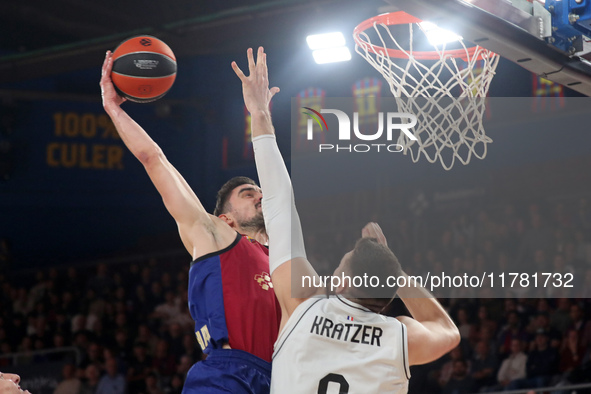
(251, 64)
(366, 231)
(238, 72)
(379, 233)
(376, 227)
(274, 91)
(108, 67)
(264, 68)
(109, 64)
(373, 230)
(259, 64)
(105, 62)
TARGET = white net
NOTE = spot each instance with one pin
(446, 93)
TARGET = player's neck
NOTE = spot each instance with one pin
(366, 302)
(259, 236)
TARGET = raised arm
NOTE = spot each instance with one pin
(431, 332)
(286, 244)
(200, 232)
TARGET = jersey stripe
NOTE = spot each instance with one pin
(219, 252)
(344, 301)
(404, 352)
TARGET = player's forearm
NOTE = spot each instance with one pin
(178, 197)
(133, 135)
(278, 207)
(425, 308)
(261, 124)
(272, 172)
(273, 175)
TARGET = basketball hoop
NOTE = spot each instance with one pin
(443, 87)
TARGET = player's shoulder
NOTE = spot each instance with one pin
(219, 250)
(306, 306)
(206, 236)
(305, 309)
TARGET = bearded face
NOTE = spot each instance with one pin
(255, 223)
(245, 209)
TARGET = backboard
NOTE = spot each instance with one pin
(533, 40)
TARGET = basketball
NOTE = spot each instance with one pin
(144, 69)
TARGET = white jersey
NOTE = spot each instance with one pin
(335, 346)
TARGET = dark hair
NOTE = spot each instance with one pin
(372, 258)
(221, 205)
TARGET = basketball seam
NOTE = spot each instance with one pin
(144, 99)
(134, 76)
(152, 53)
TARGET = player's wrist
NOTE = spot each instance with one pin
(260, 123)
(261, 114)
(112, 109)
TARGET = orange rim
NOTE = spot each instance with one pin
(402, 18)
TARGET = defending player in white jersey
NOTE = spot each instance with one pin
(339, 344)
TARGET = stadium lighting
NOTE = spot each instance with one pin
(328, 40)
(438, 36)
(328, 47)
(332, 55)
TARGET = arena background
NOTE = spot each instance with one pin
(57, 214)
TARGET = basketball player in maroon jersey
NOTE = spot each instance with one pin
(231, 297)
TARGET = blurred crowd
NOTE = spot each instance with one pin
(133, 334)
(129, 326)
(510, 344)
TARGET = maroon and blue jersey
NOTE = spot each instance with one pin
(232, 301)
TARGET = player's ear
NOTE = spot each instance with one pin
(227, 218)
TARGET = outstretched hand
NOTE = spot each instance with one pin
(373, 230)
(255, 87)
(110, 97)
